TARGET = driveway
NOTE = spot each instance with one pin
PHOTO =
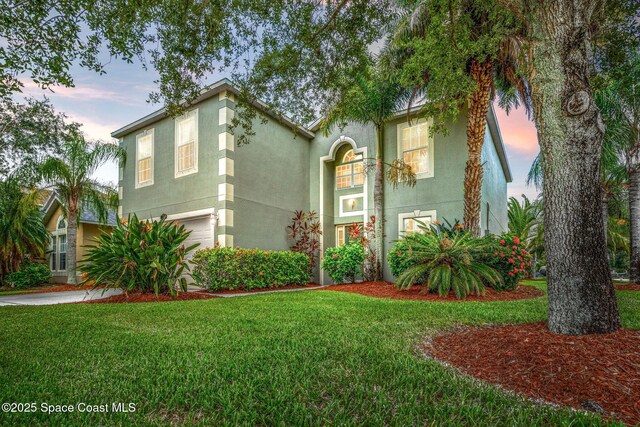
(48, 298)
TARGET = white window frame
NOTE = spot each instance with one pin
(56, 251)
(187, 116)
(358, 159)
(153, 147)
(408, 215)
(345, 227)
(430, 143)
(341, 200)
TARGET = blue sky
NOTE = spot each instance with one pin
(104, 103)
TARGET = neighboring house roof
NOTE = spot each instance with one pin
(43, 196)
(210, 92)
(88, 215)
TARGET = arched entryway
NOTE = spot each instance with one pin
(348, 177)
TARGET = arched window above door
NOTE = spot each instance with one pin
(350, 172)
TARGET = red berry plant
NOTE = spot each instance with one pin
(511, 260)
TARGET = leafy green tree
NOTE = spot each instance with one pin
(22, 231)
(374, 100)
(70, 175)
(255, 42)
(459, 54)
(29, 131)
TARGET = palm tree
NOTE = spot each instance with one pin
(374, 99)
(525, 221)
(22, 230)
(486, 38)
(70, 175)
(619, 102)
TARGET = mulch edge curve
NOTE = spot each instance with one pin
(426, 344)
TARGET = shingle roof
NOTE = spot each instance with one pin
(87, 214)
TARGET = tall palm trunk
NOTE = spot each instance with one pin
(378, 202)
(634, 224)
(72, 237)
(571, 132)
(482, 74)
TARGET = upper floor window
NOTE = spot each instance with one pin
(144, 159)
(187, 144)
(415, 148)
(350, 173)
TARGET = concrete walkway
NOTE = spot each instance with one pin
(48, 298)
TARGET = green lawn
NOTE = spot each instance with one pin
(300, 358)
(17, 292)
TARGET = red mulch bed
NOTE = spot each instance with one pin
(149, 297)
(628, 287)
(577, 371)
(258, 290)
(388, 290)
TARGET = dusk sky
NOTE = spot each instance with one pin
(104, 103)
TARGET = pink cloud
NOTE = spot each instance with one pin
(518, 132)
(79, 92)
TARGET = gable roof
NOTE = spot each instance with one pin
(309, 132)
(88, 215)
(210, 92)
(494, 130)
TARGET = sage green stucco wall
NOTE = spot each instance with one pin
(279, 172)
(168, 194)
(444, 192)
(271, 181)
(494, 190)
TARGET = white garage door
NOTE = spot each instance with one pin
(201, 232)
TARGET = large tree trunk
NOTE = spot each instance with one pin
(634, 224)
(570, 132)
(482, 74)
(72, 236)
(378, 202)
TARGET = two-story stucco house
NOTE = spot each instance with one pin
(191, 169)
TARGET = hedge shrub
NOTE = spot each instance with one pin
(344, 263)
(399, 259)
(222, 268)
(30, 274)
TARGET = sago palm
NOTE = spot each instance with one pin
(71, 176)
(22, 230)
(374, 99)
(450, 261)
